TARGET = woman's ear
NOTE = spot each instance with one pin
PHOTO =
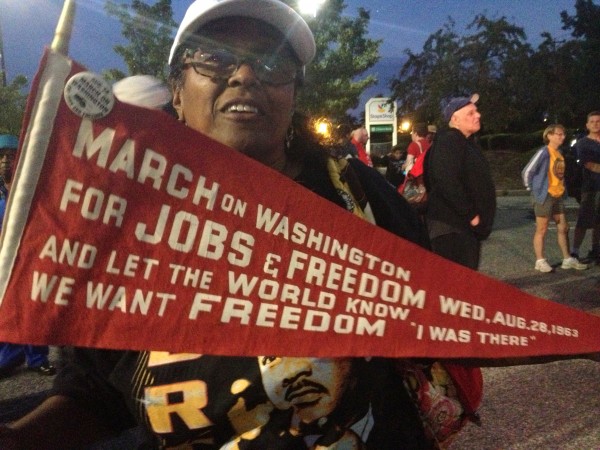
(178, 104)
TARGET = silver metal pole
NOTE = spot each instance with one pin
(62, 35)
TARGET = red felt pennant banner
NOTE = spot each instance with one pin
(128, 230)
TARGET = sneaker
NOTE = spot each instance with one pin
(573, 263)
(45, 369)
(543, 266)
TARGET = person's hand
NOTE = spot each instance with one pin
(475, 221)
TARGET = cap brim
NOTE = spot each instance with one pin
(273, 12)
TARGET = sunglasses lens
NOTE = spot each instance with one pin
(214, 63)
(276, 70)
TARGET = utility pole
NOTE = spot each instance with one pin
(2, 65)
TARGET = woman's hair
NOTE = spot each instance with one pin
(175, 78)
(550, 130)
(305, 141)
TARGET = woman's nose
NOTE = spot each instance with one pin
(244, 75)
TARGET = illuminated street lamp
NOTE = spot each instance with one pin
(323, 127)
(405, 126)
(309, 7)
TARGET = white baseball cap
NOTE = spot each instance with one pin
(274, 12)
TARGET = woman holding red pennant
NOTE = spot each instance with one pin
(236, 67)
(235, 70)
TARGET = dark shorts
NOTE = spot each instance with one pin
(550, 208)
(589, 210)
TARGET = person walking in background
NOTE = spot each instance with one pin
(359, 138)
(15, 355)
(418, 146)
(461, 193)
(544, 177)
(588, 154)
(413, 188)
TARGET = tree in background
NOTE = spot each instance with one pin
(496, 65)
(492, 61)
(552, 70)
(335, 80)
(149, 30)
(428, 76)
(520, 88)
(585, 29)
(13, 102)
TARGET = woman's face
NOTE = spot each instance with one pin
(242, 112)
(556, 138)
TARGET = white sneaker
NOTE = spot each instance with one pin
(573, 263)
(543, 266)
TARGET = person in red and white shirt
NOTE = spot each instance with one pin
(359, 138)
(418, 146)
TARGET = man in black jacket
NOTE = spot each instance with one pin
(462, 196)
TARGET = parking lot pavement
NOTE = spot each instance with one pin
(24, 389)
(544, 406)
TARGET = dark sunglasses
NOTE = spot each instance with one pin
(220, 63)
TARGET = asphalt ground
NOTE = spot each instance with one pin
(545, 406)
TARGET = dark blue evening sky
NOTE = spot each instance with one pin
(28, 25)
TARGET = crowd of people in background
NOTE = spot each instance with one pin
(544, 175)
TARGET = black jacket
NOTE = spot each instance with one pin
(459, 185)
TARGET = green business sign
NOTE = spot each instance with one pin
(382, 128)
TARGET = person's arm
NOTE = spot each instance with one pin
(411, 154)
(532, 168)
(58, 423)
(592, 166)
(83, 406)
(409, 160)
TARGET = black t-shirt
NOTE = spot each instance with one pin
(214, 402)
